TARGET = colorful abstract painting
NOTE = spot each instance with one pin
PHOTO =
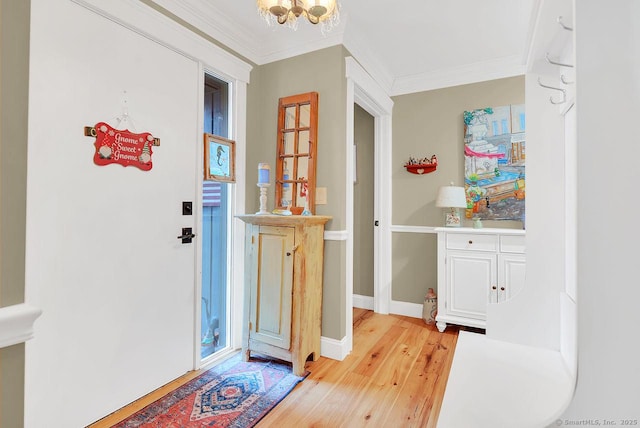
(494, 162)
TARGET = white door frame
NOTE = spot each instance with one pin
(364, 91)
(235, 244)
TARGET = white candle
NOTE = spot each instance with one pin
(263, 173)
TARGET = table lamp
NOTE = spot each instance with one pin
(451, 197)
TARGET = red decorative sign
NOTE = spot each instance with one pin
(122, 147)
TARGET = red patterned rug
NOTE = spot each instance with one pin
(231, 394)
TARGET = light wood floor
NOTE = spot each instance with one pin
(395, 376)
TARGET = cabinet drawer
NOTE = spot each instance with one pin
(462, 241)
(512, 244)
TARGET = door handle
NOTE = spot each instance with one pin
(187, 235)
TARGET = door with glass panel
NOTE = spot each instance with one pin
(297, 148)
(216, 214)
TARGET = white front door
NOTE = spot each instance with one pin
(104, 262)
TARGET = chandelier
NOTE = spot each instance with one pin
(324, 12)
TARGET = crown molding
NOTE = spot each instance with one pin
(203, 15)
(215, 23)
(275, 54)
(209, 19)
(368, 60)
(472, 73)
(142, 19)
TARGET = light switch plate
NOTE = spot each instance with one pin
(321, 195)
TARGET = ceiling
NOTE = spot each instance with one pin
(407, 46)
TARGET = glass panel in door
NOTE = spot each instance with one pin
(216, 212)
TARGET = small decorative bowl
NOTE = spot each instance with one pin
(296, 210)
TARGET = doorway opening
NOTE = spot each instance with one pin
(367, 94)
(216, 237)
(363, 207)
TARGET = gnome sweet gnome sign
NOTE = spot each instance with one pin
(122, 147)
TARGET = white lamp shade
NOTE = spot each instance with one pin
(451, 197)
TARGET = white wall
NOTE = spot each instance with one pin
(608, 108)
(117, 289)
(533, 316)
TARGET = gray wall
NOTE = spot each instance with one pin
(14, 90)
(427, 123)
(321, 71)
(414, 266)
(363, 198)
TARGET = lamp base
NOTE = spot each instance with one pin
(452, 218)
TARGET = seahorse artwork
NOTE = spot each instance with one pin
(219, 153)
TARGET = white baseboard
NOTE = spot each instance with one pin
(334, 349)
(407, 309)
(363, 302)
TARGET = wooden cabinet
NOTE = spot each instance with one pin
(283, 287)
(477, 267)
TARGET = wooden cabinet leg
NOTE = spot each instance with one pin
(297, 363)
(441, 326)
(246, 354)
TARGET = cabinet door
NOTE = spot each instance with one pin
(511, 273)
(271, 287)
(470, 276)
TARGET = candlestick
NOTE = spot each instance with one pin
(263, 198)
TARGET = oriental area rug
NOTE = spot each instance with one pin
(231, 394)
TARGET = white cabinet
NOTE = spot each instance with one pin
(511, 270)
(469, 277)
(477, 267)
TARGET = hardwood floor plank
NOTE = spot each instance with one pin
(434, 402)
(413, 404)
(387, 381)
(395, 376)
(376, 356)
(321, 383)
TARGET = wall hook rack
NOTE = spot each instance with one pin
(551, 100)
(561, 64)
(563, 25)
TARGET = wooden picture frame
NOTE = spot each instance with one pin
(219, 159)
